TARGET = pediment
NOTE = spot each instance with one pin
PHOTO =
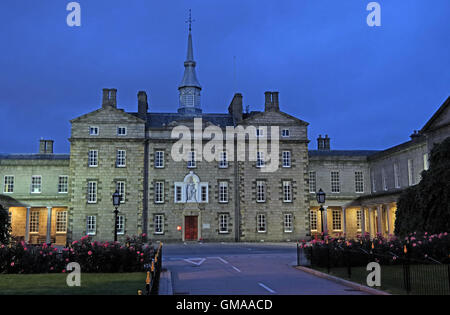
(273, 118)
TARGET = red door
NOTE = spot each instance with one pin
(190, 228)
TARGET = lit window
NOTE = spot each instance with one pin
(337, 225)
(34, 221)
(159, 224)
(223, 192)
(287, 191)
(92, 192)
(91, 225)
(121, 131)
(61, 222)
(288, 226)
(286, 158)
(63, 184)
(159, 159)
(358, 219)
(359, 182)
(93, 158)
(36, 184)
(312, 182)
(159, 192)
(223, 223)
(121, 158)
(313, 220)
(335, 184)
(9, 184)
(261, 223)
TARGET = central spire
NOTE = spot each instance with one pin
(190, 87)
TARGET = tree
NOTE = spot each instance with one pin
(426, 206)
(5, 227)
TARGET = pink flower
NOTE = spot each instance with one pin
(40, 252)
(64, 271)
(142, 254)
(142, 260)
(414, 244)
(12, 264)
(74, 242)
(67, 259)
(51, 268)
(144, 235)
(25, 249)
(89, 253)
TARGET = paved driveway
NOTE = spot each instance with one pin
(242, 269)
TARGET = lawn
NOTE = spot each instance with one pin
(55, 284)
(425, 279)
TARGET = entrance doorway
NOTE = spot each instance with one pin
(190, 228)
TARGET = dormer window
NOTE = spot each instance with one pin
(93, 131)
(121, 131)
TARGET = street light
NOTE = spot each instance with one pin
(116, 203)
(321, 196)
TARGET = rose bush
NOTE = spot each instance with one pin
(93, 256)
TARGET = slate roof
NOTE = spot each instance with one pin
(160, 120)
(342, 152)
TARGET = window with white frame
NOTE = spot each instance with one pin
(358, 219)
(159, 159)
(159, 223)
(178, 193)
(259, 132)
(411, 180)
(91, 225)
(34, 221)
(61, 221)
(93, 130)
(9, 184)
(383, 179)
(286, 158)
(261, 223)
(92, 192)
(36, 184)
(359, 182)
(337, 220)
(223, 192)
(335, 183)
(396, 176)
(426, 163)
(223, 159)
(260, 159)
(223, 223)
(159, 192)
(285, 133)
(312, 182)
(121, 158)
(192, 160)
(93, 158)
(204, 192)
(120, 224)
(260, 191)
(121, 131)
(313, 220)
(63, 184)
(287, 191)
(288, 226)
(120, 187)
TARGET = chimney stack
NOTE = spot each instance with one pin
(109, 98)
(320, 143)
(326, 143)
(271, 101)
(235, 109)
(142, 104)
(46, 146)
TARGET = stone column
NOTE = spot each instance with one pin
(27, 225)
(388, 218)
(370, 221)
(380, 221)
(344, 214)
(363, 221)
(49, 224)
(325, 219)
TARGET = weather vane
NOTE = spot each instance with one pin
(190, 20)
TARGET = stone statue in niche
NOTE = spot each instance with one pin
(191, 189)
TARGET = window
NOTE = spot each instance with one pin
(374, 186)
(159, 192)
(313, 220)
(396, 176)
(288, 226)
(312, 182)
(159, 224)
(259, 159)
(9, 184)
(34, 222)
(260, 191)
(178, 193)
(223, 192)
(120, 224)
(359, 182)
(204, 193)
(91, 226)
(223, 160)
(36, 184)
(63, 184)
(286, 158)
(426, 164)
(121, 131)
(61, 222)
(159, 159)
(120, 187)
(337, 225)
(93, 158)
(287, 191)
(92, 192)
(335, 185)
(259, 132)
(285, 133)
(383, 179)
(358, 219)
(261, 222)
(121, 158)
(223, 223)
(93, 131)
(411, 173)
(192, 160)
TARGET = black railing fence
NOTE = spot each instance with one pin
(398, 274)
(153, 273)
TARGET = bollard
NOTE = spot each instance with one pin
(147, 283)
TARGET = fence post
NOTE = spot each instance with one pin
(406, 271)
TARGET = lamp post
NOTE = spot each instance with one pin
(321, 196)
(116, 203)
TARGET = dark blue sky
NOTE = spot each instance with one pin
(367, 88)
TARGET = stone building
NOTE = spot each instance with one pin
(260, 184)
